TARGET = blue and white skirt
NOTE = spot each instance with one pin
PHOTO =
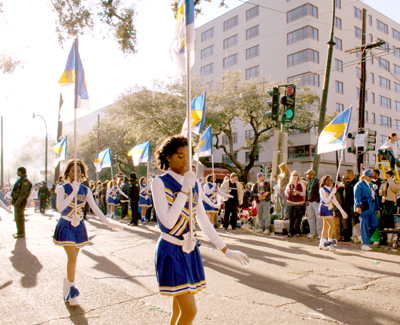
(177, 272)
(324, 212)
(113, 201)
(143, 202)
(66, 234)
(209, 208)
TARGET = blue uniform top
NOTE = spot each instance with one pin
(81, 198)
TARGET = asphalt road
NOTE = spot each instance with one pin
(289, 281)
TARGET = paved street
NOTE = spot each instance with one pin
(289, 281)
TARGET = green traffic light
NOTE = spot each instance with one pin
(289, 113)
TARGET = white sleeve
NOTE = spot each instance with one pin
(223, 194)
(326, 199)
(95, 208)
(204, 197)
(61, 202)
(119, 190)
(208, 228)
(287, 190)
(208, 188)
(335, 202)
(167, 216)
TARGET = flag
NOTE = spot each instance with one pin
(198, 108)
(103, 160)
(205, 147)
(61, 151)
(74, 67)
(184, 36)
(334, 136)
(140, 153)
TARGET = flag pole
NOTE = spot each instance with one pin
(148, 167)
(75, 108)
(212, 166)
(338, 171)
(189, 119)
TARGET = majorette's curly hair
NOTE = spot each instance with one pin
(323, 180)
(169, 146)
(79, 164)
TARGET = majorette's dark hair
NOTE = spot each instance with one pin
(168, 147)
(79, 163)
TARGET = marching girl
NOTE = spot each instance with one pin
(112, 196)
(327, 193)
(178, 263)
(211, 190)
(71, 231)
(145, 197)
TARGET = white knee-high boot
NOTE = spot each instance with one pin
(70, 292)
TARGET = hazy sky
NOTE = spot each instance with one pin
(27, 32)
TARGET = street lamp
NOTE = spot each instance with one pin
(45, 151)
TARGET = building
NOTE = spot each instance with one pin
(286, 41)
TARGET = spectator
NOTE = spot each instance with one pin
(367, 207)
(312, 203)
(391, 144)
(134, 194)
(35, 198)
(53, 197)
(295, 193)
(283, 180)
(348, 206)
(232, 187)
(376, 184)
(44, 195)
(261, 191)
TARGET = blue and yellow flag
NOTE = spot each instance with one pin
(61, 151)
(198, 108)
(334, 136)
(205, 147)
(103, 160)
(140, 153)
(74, 67)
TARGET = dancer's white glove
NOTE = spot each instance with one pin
(237, 256)
(344, 215)
(189, 181)
(75, 186)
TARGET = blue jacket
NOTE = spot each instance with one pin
(362, 193)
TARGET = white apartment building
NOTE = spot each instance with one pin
(286, 41)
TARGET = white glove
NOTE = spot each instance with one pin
(229, 196)
(9, 211)
(75, 186)
(334, 190)
(237, 256)
(344, 215)
(216, 206)
(189, 181)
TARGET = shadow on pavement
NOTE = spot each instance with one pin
(26, 263)
(77, 314)
(5, 285)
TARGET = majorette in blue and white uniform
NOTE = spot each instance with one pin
(211, 190)
(145, 195)
(327, 199)
(112, 195)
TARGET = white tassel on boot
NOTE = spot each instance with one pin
(322, 244)
(70, 292)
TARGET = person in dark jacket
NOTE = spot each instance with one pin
(134, 194)
(44, 195)
(19, 194)
(312, 204)
(348, 205)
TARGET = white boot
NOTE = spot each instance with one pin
(333, 241)
(71, 293)
(322, 244)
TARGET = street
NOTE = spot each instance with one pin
(288, 281)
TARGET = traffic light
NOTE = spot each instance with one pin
(352, 149)
(370, 140)
(262, 168)
(269, 170)
(289, 101)
(274, 103)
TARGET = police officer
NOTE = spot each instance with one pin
(19, 194)
(134, 198)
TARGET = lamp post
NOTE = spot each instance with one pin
(45, 151)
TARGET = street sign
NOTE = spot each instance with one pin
(359, 140)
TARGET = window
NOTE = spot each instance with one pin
(252, 52)
(338, 45)
(302, 11)
(252, 72)
(397, 87)
(302, 56)
(366, 116)
(207, 34)
(225, 139)
(230, 23)
(397, 125)
(371, 38)
(234, 137)
(338, 23)
(339, 65)
(370, 20)
(373, 118)
(231, 41)
(358, 73)
(357, 32)
(253, 12)
(357, 93)
(358, 54)
(227, 160)
(396, 52)
(386, 121)
(307, 78)
(384, 64)
(339, 4)
(385, 102)
(207, 69)
(357, 13)
(384, 47)
(207, 52)
(383, 139)
(300, 152)
(248, 155)
(397, 105)
(302, 33)
(384, 83)
(339, 107)
(381, 26)
(252, 32)
(373, 98)
(230, 60)
(372, 78)
(339, 87)
(396, 34)
(249, 134)
(396, 69)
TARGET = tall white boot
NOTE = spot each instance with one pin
(323, 244)
(71, 293)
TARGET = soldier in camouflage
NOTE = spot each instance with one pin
(20, 193)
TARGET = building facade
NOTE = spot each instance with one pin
(286, 41)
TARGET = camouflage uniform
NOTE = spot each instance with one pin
(20, 193)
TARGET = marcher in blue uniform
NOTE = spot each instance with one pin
(112, 196)
(145, 197)
(179, 267)
(71, 231)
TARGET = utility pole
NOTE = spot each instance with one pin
(98, 141)
(361, 109)
(322, 113)
(59, 133)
